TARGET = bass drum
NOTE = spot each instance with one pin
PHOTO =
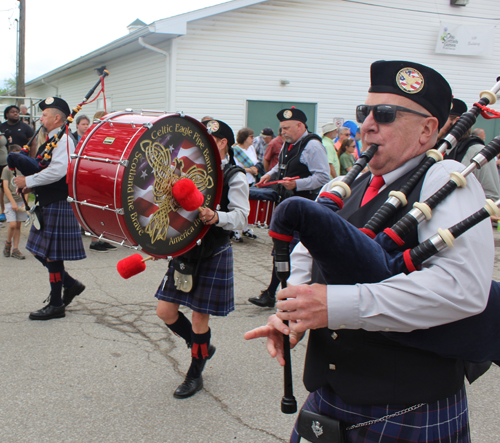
(121, 176)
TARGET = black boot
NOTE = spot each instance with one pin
(48, 312)
(201, 351)
(264, 300)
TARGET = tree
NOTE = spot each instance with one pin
(9, 85)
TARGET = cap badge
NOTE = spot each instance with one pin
(49, 101)
(213, 126)
(410, 80)
(287, 113)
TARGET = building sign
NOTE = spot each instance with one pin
(465, 39)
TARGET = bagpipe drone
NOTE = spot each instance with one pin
(28, 165)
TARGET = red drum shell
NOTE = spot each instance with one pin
(261, 212)
(121, 175)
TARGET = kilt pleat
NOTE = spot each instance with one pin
(214, 292)
(443, 421)
(60, 238)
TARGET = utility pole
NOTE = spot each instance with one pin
(20, 90)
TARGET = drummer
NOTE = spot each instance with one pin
(59, 237)
(212, 288)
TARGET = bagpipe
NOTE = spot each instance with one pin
(282, 239)
(377, 255)
(28, 165)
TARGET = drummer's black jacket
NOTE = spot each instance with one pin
(367, 367)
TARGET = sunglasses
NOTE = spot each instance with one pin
(382, 113)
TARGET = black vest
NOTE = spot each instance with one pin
(215, 236)
(54, 192)
(462, 147)
(366, 367)
(290, 165)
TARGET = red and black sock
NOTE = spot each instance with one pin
(199, 353)
(56, 274)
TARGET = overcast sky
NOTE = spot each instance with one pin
(58, 31)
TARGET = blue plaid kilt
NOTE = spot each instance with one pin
(60, 238)
(442, 421)
(214, 292)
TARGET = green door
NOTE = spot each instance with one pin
(491, 127)
(262, 114)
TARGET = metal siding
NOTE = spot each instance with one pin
(323, 47)
(319, 47)
(136, 82)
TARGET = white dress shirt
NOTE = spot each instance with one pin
(57, 167)
(452, 285)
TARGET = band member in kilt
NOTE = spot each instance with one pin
(59, 237)
(378, 389)
(208, 268)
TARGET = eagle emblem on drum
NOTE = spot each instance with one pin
(166, 173)
(410, 80)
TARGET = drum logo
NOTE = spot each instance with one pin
(164, 155)
(159, 159)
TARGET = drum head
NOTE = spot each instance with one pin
(173, 148)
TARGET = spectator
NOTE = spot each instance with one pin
(346, 153)
(3, 163)
(330, 131)
(26, 118)
(260, 143)
(15, 211)
(16, 131)
(478, 132)
(246, 158)
(271, 157)
(343, 134)
(245, 155)
(82, 124)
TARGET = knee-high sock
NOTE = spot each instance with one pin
(199, 353)
(182, 328)
(68, 281)
(42, 260)
(56, 274)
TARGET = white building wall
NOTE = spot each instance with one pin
(323, 47)
(136, 81)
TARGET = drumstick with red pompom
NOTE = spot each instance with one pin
(130, 266)
(189, 198)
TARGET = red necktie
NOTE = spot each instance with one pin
(372, 190)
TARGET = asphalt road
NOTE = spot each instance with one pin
(107, 371)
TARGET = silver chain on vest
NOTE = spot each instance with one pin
(387, 417)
